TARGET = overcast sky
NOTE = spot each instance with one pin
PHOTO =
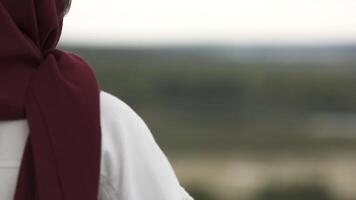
(157, 22)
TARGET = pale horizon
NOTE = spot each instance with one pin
(162, 22)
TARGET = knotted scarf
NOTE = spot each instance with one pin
(58, 94)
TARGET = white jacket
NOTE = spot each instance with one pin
(133, 167)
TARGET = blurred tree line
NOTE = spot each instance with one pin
(266, 101)
(197, 100)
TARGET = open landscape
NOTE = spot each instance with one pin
(244, 122)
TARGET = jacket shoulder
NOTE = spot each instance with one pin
(113, 108)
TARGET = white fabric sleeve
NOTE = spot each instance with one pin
(133, 165)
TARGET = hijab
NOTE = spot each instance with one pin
(58, 94)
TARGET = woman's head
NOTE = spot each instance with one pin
(66, 6)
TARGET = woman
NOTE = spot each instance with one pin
(61, 137)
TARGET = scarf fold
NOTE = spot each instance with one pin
(58, 94)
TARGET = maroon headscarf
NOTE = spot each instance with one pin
(58, 94)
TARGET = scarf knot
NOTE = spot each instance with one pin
(57, 92)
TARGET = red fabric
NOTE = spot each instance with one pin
(58, 94)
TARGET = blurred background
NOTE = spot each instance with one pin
(250, 100)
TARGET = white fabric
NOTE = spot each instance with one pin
(133, 167)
